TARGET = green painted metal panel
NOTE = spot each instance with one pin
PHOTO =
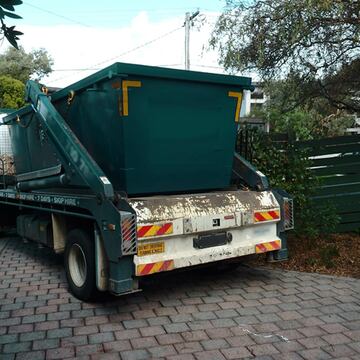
(338, 160)
(350, 217)
(340, 180)
(348, 227)
(336, 149)
(168, 131)
(339, 189)
(339, 169)
(333, 141)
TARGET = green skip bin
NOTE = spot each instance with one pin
(151, 130)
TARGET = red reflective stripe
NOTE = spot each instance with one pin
(163, 229)
(166, 264)
(147, 268)
(274, 214)
(275, 244)
(259, 217)
(143, 230)
(261, 247)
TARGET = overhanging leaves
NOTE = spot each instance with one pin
(9, 32)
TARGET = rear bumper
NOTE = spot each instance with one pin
(179, 251)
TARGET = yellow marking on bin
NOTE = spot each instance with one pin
(238, 96)
(125, 85)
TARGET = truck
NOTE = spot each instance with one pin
(131, 172)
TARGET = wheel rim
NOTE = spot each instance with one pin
(77, 265)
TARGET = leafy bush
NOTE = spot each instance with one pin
(287, 167)
(11, 93)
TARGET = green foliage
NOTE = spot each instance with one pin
(7, 9)
(313, 44)
(314, 219)
(11, 93)
(22, 66)
(302, 124)
(287, 167)
(327, 255)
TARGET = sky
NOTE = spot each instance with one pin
(83, 36)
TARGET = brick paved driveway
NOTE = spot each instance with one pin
(248, 313)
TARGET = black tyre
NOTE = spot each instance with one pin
(80, 265)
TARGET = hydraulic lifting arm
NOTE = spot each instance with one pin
(73, 155)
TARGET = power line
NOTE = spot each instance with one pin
(93, 67)
(58, 15)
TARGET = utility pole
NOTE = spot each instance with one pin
(187, 24)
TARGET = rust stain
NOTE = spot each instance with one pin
(160, 208)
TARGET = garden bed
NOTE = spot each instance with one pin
(336, 254)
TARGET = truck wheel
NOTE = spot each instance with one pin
(80, 264)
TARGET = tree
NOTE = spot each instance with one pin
(7, 10)
(11, 93)
(22, 66)
(314, 43)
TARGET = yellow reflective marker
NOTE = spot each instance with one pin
(238, 96)
(125, 85)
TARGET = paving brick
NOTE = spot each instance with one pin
(354, 335)
(118, 345)
(182, 317)
(162, 351)
(219, 333)
(336, 339)
(315, 354)
(209, 355)
(134, 324)
(236, 353)
(59, 333)
(96, 320)
(48, 325)
(20, 328)
(16, 347)
(127, 334)
(313, 342)
(208, 307)
(176, 327)
(101, 338)
(144, 342)
(31, 355)
(84, 350)
(85, 330)
(214, 344)
(7, 339)
(188, 347)
(167, 339)
(74, 341)
(34, 335)
(152, 330)
(338, 351)
(33, 319)
(60, 353)
(262, 349)
(240, 341)
(288, 346)
(45, 344)
(135, 355)
(160, 320)
(181, 357)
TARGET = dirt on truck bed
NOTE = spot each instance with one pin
(335, 254)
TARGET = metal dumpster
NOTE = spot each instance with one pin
(151, 130)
